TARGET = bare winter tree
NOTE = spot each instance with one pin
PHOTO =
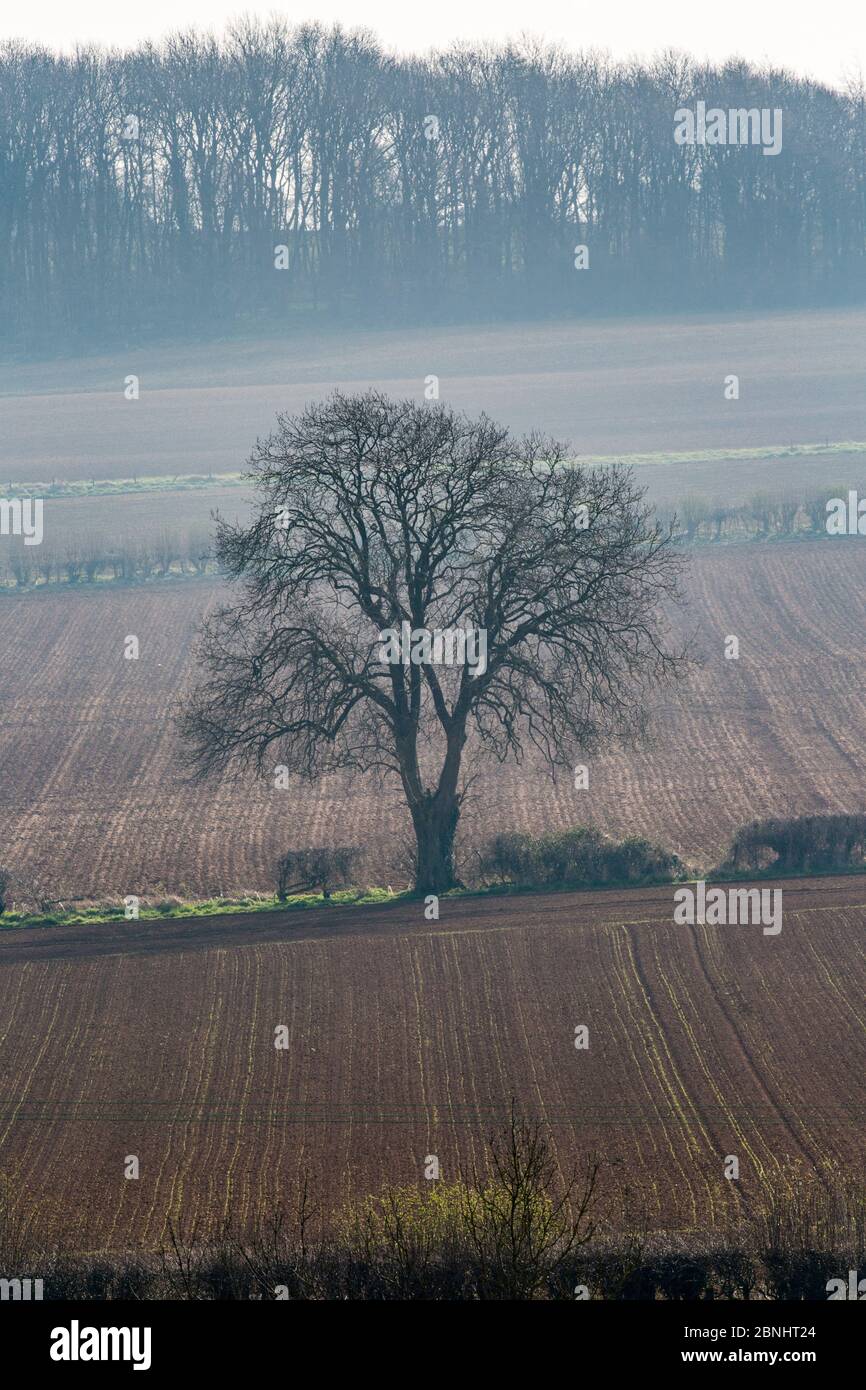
(525, 1221)
(381, 520)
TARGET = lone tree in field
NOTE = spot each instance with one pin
(384, 531)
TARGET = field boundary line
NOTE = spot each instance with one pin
(63, 489)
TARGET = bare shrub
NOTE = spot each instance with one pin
(524, 1222)
(323, 867)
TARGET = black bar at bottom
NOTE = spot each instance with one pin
(219, 1339)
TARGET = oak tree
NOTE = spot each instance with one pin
(377, 516)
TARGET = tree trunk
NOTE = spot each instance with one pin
(435, 822)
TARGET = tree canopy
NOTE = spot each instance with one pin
(377, 516)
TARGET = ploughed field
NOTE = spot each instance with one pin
(407, 1038)
(93, 805)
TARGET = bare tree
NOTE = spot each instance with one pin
(384, 522)
(523, 1222)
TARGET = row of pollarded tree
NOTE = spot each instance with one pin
(147, 189)
(801, 845)
(167, 550)
(581, 857)
(94, 557)
(761, 516)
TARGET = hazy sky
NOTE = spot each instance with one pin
(825, 40)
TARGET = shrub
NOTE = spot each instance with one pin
(5, 884)
(635, 860)
(580, 856)
(509, 858)
(510, 1231)
(802, 845)
(323, 868)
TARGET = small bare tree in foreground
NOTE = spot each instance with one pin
(383, 521)
(523, 1221)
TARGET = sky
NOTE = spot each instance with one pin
(826, 41)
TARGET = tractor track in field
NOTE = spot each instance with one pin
(739, 1042)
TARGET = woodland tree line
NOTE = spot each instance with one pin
(145, 192)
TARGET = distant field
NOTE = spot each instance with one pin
(407, 1038)
(735, 480)
(93, 806)
(122, 518)
(119, 518)
(139, 516)
(633, 386)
